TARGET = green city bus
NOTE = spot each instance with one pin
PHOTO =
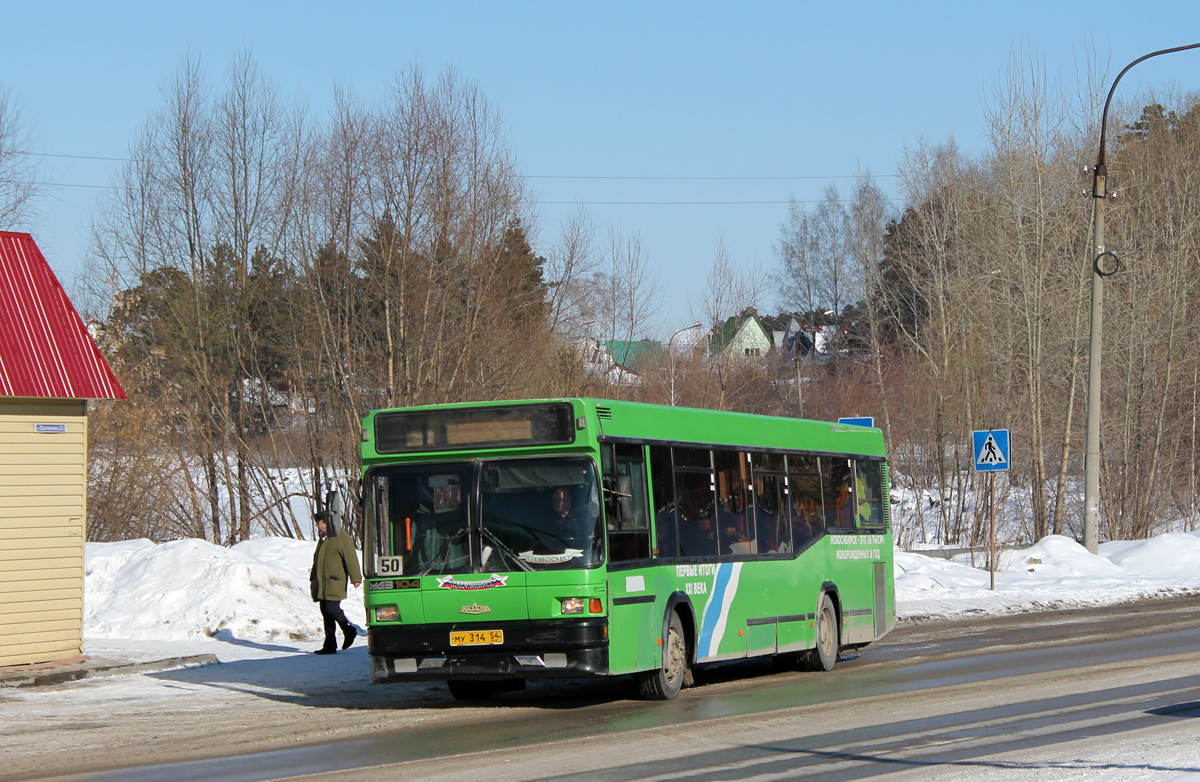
(575, 538)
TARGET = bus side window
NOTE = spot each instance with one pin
(770, 508)
(839, 497)
(735, 512)
(868, 489)
(804, 494)
(695, 502)
(771, 531)
(625, 502)
(662, 481)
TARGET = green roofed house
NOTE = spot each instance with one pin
(635, 355)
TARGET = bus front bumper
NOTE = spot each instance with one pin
(566, 648)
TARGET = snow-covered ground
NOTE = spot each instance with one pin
(144, 600)
(186, 596)
(249, 605)
(1056, 572)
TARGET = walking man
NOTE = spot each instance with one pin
(334, 562)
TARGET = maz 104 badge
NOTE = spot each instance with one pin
(389, 566)
(550, 559)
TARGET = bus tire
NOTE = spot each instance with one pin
(665, 682)
(824, 655)
(466, 690)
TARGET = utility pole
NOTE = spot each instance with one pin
(1104, 264)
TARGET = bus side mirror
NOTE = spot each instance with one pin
(336, 507)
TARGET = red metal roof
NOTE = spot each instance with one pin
(45, 349)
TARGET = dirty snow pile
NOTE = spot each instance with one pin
(1054, 573)
(190, 589)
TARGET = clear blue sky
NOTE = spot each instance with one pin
(594, 89)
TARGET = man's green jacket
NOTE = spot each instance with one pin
(334, 560)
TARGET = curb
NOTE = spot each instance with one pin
(72, 674)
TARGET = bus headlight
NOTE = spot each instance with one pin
(387, 614)
(572, 605)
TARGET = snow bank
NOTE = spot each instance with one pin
(1176, 554)
(1056, 572)
(257, 591)
(190, 589)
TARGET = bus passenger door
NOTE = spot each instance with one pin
(634, 622)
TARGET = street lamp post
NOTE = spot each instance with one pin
(1104, 264)
(671, 356)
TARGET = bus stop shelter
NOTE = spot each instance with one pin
(49, 368)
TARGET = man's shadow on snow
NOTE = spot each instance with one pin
(227, 636)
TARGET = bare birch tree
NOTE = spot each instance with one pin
(20, 185)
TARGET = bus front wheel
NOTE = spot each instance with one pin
(823, 656)
(665, 682)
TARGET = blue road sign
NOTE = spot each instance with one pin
(865, 421)
(990, 447)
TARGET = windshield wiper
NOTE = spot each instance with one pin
(541, 534)
(445, 558)
(505, 550)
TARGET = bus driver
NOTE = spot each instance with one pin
(570, 524)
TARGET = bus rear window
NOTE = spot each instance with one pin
(485, 427)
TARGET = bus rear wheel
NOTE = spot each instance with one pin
(664, 683)
(824, 655)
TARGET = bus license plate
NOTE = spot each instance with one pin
(477, 638)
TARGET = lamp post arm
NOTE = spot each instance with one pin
(1113, 89)
(671, 356)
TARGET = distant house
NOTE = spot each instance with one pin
(789, 335)
(603, 368)
(49, 368)
(635, 355)
(742, 335)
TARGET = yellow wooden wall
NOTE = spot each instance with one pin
(43, 505)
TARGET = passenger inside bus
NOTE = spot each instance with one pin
(869, 488)
(731, 523)
(697, 538)
(808, 520)
(767, 510)
(839, 510)
(734, 524)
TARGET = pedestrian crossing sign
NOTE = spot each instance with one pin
(990, 449)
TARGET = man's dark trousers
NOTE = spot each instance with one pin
(331, 612)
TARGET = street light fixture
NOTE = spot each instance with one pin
(671, 355)
(1104, 264)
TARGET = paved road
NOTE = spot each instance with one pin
(1068, 690)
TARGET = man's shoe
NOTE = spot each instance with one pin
(351, 634)
(325, 651)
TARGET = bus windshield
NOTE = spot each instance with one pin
(533, 514)
(540, 514)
